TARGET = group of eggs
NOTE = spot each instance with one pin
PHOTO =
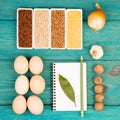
(22, 85)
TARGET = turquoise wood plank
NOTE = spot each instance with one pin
(109, 113)
(112, 83)
(111, 7)
(108, 37)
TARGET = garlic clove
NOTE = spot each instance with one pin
(96, 51)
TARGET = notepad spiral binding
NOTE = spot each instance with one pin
(54, 86)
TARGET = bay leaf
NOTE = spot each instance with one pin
(67, 88)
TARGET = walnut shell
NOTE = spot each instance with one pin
(99, 88)
(99, 69)
(98, 80)
(99, 97)
(99, 106)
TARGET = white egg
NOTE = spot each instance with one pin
(21, 65)
(19, 104)
(35, 105)
(22, 85)
(37, 84)
(36, 65)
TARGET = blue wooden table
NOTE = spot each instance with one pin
(108, 37)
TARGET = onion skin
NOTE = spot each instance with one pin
(97, 18)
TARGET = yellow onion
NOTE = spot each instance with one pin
(97, 18)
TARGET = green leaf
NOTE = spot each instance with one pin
(67, 88)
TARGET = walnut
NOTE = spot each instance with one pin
(99, 106)
(98, 80)
(96, 51)
(99, 88)
(99, 69)
(99, 97)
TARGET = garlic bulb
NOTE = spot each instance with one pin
(96, 51)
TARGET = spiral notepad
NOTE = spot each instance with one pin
(71, 71)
